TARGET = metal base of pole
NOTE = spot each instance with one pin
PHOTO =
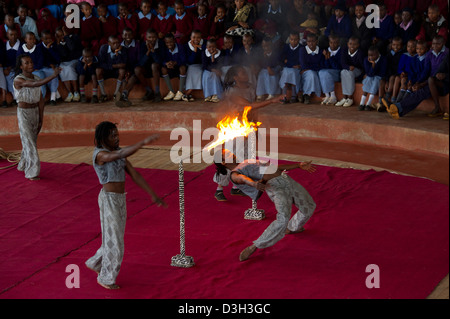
(182, 261)
(254, 214)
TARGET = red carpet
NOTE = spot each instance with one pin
(399, 223)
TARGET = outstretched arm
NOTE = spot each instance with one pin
(104, 157)
(21, 83)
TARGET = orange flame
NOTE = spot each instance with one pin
(231, 127)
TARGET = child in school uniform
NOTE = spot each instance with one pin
(311, 61)
(86, 68)
(403, 72)
(360, 29)
(46, 21)
(108, 23)
(183, 23)
(26, 23)
(145, 18)
(339, 24)
(290, 79)
(212, 85)
(385, 32)
(90, 28)
(69, 50)
(126, 19)
(9, 24)
(393, 60)
(194, 52)
(133, 48)
(246, 57)
(269, 74)
(164, 23)
(173, 65)
(408, 28)
(331, 70)
(202, 21)
(352, 62)
(375, 67)
(419, 70)
(11, 47)
(150, 64)
(44, 60)
(229, 54)
(434, 24)
(217, 30)
(112, 62)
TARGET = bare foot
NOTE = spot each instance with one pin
(247, 252)
(288, 232)
(36, 178)
(112, 286)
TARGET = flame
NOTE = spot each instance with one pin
(231, 127)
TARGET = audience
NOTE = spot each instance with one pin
(294, 47)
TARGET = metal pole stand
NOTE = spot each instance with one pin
(181, 260)
(254, 213)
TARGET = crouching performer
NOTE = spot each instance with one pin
(283, 191)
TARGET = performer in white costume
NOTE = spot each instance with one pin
(110, 164)
(30, 113)
(281, 189)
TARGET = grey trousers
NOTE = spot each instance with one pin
(108, 258)
(284, 191)
(28, 120)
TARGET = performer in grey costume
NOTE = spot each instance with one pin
(30, 113)
(110, 164)
(281, 189)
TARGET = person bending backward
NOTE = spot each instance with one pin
(281, 189)
(30, 113)
(110, 163)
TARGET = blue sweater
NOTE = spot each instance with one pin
(41, 56)
(419, 70)
(310, 61)
(405, 63)
(179, 57)
(334, 62)
(380, 68)
(356, 61)
(292, 56)
(207, 63)
(387, 29)
(193, 57)
(342, 29)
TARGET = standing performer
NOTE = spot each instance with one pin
(281, 189)
(110, 163)
(30, 113)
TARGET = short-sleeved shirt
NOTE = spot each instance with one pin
(110, 171)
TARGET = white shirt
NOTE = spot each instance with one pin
(309, 51)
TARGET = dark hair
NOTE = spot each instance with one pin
(169, 36)
(151, 30)
(229, 76)
(17, 69)
(373, 48)
(353, 38)
(102, 132)
(423, 43)
(220, 169)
